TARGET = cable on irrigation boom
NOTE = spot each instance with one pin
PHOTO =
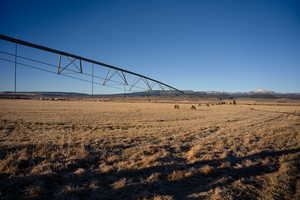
(121, 71)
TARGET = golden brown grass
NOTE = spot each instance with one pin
(146, 150)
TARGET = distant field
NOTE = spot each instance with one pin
(146, 150)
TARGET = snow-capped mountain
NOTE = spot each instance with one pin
(262, 91)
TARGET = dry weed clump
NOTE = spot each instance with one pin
(43, 168)
(153, 177)
(207, 170)
(180, 174)
(79, 171)
(163, 197)
(284, 183)
(225, 165)
(112, 158)
(119, 184)
(158, 197)
(176, 106)
(105, 168)
(217, 194)
(34, 191)
(195, 152)
(193, 107)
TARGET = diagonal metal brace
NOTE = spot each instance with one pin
(134, 84)
(108, 77)
(123, 77)
(72, 61)
(147, 83)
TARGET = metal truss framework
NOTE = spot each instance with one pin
(68, 64)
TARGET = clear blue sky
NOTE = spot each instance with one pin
(193, 45)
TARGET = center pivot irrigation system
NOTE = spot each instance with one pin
(27, 54)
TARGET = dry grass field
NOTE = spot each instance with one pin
(146, 150)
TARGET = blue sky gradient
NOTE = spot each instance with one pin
(220, 45)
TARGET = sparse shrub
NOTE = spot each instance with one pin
(163, 197)
(176, 175)
(283, 184)
(119, 184)
(217, 194)
(79, 171)
(193, 107)
(153, 177)
(34, 191)
(207, 104)
(176, 106)
(234, 102)
(207, 169)
(194, 153)
(146, 195)
(225, 165)
(104, 168)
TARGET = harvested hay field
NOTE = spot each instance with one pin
(143, 151)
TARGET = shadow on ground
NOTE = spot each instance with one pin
(133, 184)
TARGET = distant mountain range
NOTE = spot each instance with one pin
(258, 93)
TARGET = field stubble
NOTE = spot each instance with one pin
(119, 150)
